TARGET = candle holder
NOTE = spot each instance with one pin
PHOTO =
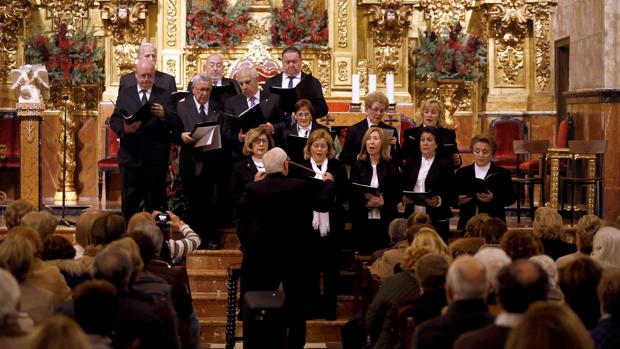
(355, 108)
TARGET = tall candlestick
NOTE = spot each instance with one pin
(355, 81)
(372, 83)
(389, 85)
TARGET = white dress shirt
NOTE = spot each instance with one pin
(257, 95)
(481, 172)
(285, 80)
(148, 93)
(304, 131)
(420, 185)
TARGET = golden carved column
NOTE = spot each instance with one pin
(30, 116)
(12, 16)
(66, 152)
(343, 20)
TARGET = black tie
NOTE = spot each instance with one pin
(203, 114)
(144, 100)
(288, 115)
(290, 81)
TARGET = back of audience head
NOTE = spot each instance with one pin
(139, 218)
(585, 229)
(493, 230)
(466, 280)
(606, 247)
(493, 259)
(418, 217)
(15, 211)
(549, 266)
(609, 292)
(28, 234)
(548, 224)
(132, 248)
(414, 229)
(473, 227)
(60, 332)
(17, 256)
(425, 241)
(42, 221)
(113, 264)
(96, 306)
(430, 271)
(548, 325)
(107, 228)
(521, 244)
(578, 281)
(396, 230)
(145, 242)
(463, 246)
(57, 247)
(519, 284)
(84, 227)
(9, 296)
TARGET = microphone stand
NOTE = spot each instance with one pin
(63, 221)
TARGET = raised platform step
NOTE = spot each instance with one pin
(213, 259)
(213, 330)
(208, 281)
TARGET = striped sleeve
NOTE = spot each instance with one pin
(182, 247)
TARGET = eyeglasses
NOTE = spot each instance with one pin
(146, 76)
(203, 90)
(319, 145)
(258, 141)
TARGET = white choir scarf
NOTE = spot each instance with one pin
(259, 164)
(320, 220)
(375, 213)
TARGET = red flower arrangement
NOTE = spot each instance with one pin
(218, 25)
(455, 56)
(298, 23)
(69, 55)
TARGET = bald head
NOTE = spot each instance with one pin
(466, 280)
(519, 284)
(145, 73)
(275, 161)
(214, 66)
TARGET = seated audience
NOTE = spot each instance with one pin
(59, 252)
(418, 218)
(96, 310)
(473, 227)
(578, 281)
(42, 221)
(463, 246)
(15, 327)
(180, 248)
(60, 331)
(467, 287)
(517, 286)
(398, 237)
(521, 244)
(492, 231)
(585, 229)
(547, 325)
(493, 259)
(17, 256)
(15, 211)
(548, 226)
(104, 228)
(83, 229)
(545, 262)
(606, 334)
(606, 247)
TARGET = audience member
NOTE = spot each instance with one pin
(547, 325)
(42, 221)
(14, 326)
(492, 231)
(606, 247)
(578, 281)
(521, 244)
(18, 256)
(606, 334)
(96, 311)
(463, 246)
(60, 332)
(83, 232)
(15, 211)
(398, 237)
(58, 251)
(473, 227)
(545, 262)
(467, 287)
(418, 217)
(517, 286)
(585, 229)
(549, 227)
(493, 259)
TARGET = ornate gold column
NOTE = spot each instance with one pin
(30, 116)
(12, 16)
(343, 20)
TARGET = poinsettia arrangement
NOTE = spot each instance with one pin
(70, 56)
(298, 23)
(218, 24)
(454, 56)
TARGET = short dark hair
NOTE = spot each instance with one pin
(578, 281)
(96, 306)
(304, 103)
(107, 228)
(146, 245)
(493, 229)
(515, 292)
(521, 244)
(57, 247)
(432, 130)
(481, 138)
(291, 49)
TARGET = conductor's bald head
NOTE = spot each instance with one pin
(145, 73)
(275, 161)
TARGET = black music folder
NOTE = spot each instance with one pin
(363, 188)
(295, 146)
(176, 97)
(143, 114)
(207, 135)
(223, 92)
(418, 197)
(478, 185)
(249, 119)
(290, 96)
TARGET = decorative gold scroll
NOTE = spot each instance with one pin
(13, 14)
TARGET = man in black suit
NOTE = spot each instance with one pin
(375, 102)
(292, 75)
(145, 147)
(199, 169)
(271, 226)
(162, 80)
(467, 287)
(251, 94)
(517, 286)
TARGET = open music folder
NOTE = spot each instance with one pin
(207, 135)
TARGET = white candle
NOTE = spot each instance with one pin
(372, 83)
(389, 85)
(355, 81)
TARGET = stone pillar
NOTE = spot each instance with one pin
(30, 116)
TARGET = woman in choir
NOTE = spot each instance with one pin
(375, 192)
(483, 187)
(296, 135)
(431, 113)
(328, 215)
(431, 174)
(257, 143)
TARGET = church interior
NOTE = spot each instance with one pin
(540, 76)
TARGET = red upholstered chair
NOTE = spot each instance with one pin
(109, 163)
(405, 124)
(527, 179)
(505, 130)
(9, 145)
